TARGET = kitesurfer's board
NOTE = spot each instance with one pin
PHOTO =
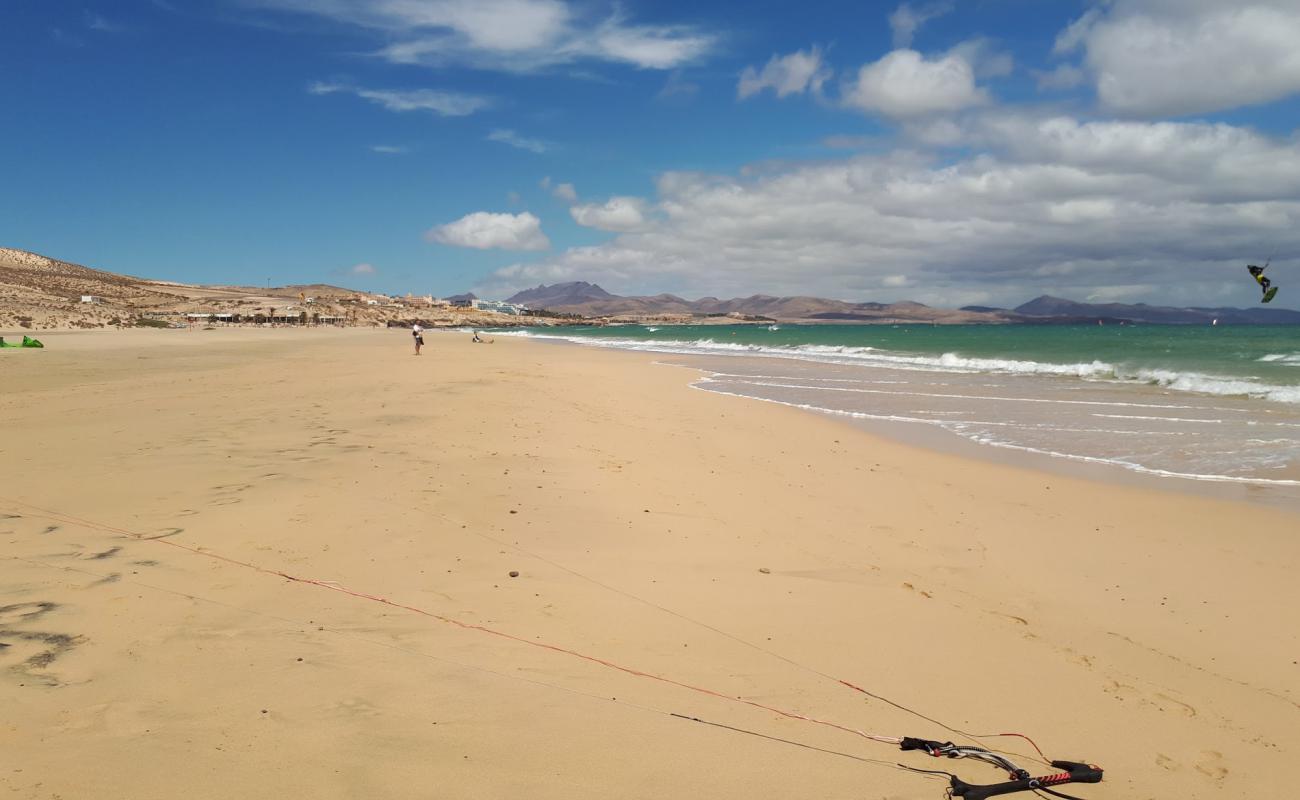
(1270, 294)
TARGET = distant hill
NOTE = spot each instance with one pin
(1055, 307)
(39, 278)
(560, 294)
(590, 300)
(40, 293)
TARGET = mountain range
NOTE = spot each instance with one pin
(589, 300)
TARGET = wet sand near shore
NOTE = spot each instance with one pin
(160, 486)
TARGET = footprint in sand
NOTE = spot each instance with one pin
(25, 612)
(27, 653)
(166, 532)
(109, 553)
(34, 651)
(1211, 765)
(233, 487)
(1165, 762)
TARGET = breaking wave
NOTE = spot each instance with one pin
(1181, 381)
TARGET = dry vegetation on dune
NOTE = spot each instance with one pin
(42, 293)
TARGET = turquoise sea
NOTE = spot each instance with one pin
(1219, 403)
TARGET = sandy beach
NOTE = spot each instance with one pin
(181, 510)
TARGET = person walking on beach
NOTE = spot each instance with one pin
(417, 333)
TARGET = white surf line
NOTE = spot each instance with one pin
(970, 396)
(1024, 448)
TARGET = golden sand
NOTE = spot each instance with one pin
(752, 550)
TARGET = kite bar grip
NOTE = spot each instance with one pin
(1074, 773)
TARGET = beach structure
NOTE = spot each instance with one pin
(500, 307)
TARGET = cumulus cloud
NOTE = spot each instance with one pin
(906, 20)
(616, 214)
(506, 136)
(1160, 57)
(511, 35)
(566, 192)
(484, 230)
(446, 104)
(362, 269)
(906, 84)
(795, 73)
(985, 59)
(1150, 211)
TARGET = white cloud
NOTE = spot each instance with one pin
(484, 230)
(362, 269)
(616, 214)
(512, 35)
(790, 74)
(389, 149)
(1160, 57)
(545, 183)
(506, 136)
(985, 59)
(905, 84)
(1064, 76)
(513, 198)
(905, 21)
(566, 192)
(645, 46)
(1151, 211)
(447, 104)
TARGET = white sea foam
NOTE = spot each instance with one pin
(1290, 359)
(984, 438)
(1160, 419)
(1191, 382)
(945, 395)
(1213, 384)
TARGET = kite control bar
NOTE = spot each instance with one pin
(1021, 780)
(1074, 773)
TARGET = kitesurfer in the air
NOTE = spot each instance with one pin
(1264, 283)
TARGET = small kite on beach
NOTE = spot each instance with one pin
(1265, 284)
(27, 342)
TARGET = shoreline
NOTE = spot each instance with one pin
(656, 527)
(1282, 491)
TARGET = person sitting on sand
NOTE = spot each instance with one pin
(418, 334)
(478, 340)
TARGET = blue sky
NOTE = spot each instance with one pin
(949, 152)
